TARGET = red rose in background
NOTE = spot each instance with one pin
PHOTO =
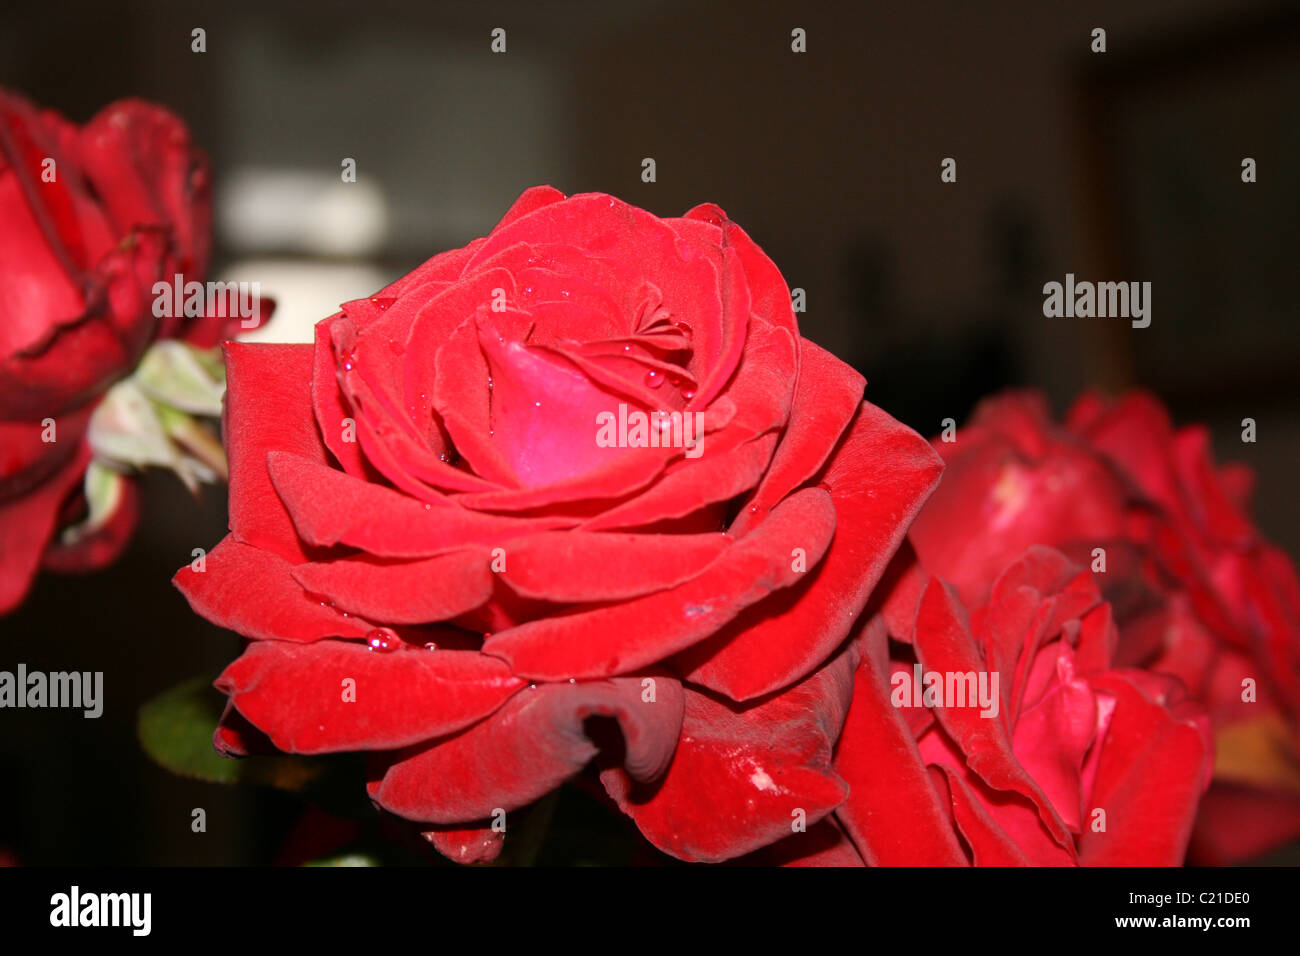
(1236, 616)
(423, 516)
(1076, 763)
(90, 218)
(1197, 592)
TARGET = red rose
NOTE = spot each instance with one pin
(90, 219)
(1236, 616)
(1197, 592)
(1034, 749)
(1012, 480)
(437, 479)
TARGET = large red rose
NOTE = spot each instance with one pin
(423, 505)
(1197, 591)
(90, 218)
(1064, 760)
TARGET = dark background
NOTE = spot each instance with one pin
(1117, 166)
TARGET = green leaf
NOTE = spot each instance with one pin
(175, 729)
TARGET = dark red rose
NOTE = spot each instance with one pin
(1197, 592)
(90, 218)
(423, 504)
(1034, 750)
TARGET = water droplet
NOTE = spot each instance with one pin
(654, 378)
(427, 506)
(537, 404)
(383, 640)
(573, 680)
(565, 293)
(688, 394)
(381, 303)
(532, 687)
(431, 646)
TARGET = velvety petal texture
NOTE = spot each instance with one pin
(577, 495)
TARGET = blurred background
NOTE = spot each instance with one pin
(1123, 165)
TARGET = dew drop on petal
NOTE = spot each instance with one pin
(383, 640)
(654, 378)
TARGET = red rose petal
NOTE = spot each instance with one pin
(769, 293)
(575, 566)
(253, 592)
(467, 845)
(943, 643)
(824, 844)
(529, 747)
(332, 408)
(878, 479)
(691, 485)
(336, 696)
(892, 812)
(990, 845)
(530, 200)
(27, 523)
(1149, 779)
(268, 408)
(329, 507)
(827, 396)
(402, 592)
(765, 768)
(631, 635)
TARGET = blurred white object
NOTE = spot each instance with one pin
(264, 209)
(304, 293)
